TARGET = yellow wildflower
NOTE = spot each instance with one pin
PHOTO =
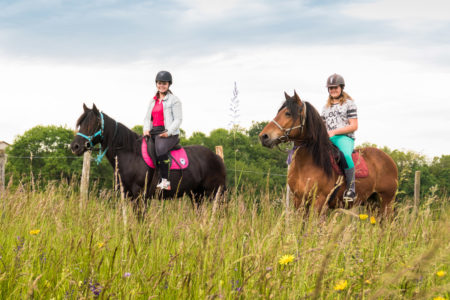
(100, 245)
(368, 281)
(373, 220)
(438, 298)
(363, 217)
(441, 273)
(340, 285)
(35, 231)
(285, 259)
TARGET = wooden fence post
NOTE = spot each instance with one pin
(2, 170)
(84, 188)
(416, 189)
(219, 151)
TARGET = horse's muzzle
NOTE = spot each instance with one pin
(266, 141)
(77, 149)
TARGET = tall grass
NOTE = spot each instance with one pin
(54, 245)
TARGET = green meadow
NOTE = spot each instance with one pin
(248, 245)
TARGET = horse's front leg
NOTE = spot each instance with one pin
(320, 204)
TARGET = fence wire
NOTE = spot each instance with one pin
(93, 159)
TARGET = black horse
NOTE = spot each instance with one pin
(205, 175)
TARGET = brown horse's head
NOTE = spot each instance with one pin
(90, 130)
(288, 124)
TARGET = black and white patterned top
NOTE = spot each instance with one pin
(337, 115)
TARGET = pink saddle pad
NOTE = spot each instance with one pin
(179, 155)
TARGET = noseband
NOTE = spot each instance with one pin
(285, 138)
(91, 138)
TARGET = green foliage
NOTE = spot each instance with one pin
(43, 154)
(256, 128)
(440, 170)
(245, 159)
(139, 129)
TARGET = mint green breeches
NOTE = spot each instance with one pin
(346, 145)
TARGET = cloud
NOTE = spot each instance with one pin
(402, 103)
(422, 16)
(130, 30)
(201, 11)
(55, 55)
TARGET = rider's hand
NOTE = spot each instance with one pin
(331, 133)
(164, 135)
(147, 132)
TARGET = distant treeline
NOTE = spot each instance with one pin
(42, 154)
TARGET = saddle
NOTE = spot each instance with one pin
(177, 155)
(338, 159)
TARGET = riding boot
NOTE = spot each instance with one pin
(350, 194)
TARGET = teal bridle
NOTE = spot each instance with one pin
(90, 140)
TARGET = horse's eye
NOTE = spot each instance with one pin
(287, 114)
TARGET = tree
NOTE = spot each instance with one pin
(440, 169)
(43, 153)
(139, 129)
(256, 128)
(253, 162)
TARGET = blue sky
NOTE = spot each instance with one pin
(130, 30)
(394, 55)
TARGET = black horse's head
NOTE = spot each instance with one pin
(90, 130)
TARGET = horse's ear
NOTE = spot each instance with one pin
(94, 108)
(297, 97)
(85, 108)
(287, 96)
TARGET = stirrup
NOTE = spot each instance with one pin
(349, 196)
(164, 185)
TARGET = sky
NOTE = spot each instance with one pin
(394, 55)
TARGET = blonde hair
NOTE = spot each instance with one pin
(341, 99)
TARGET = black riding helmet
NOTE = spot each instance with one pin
(164, 76)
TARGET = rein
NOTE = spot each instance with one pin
(91, 138)
(287, 131)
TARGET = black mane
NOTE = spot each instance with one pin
(116, 134)
(121, 137)
(81, 119)
(317, 141)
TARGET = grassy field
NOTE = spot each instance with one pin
(54, 245)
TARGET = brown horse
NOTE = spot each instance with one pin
(311, 173)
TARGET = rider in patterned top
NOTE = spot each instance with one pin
(341, 120)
